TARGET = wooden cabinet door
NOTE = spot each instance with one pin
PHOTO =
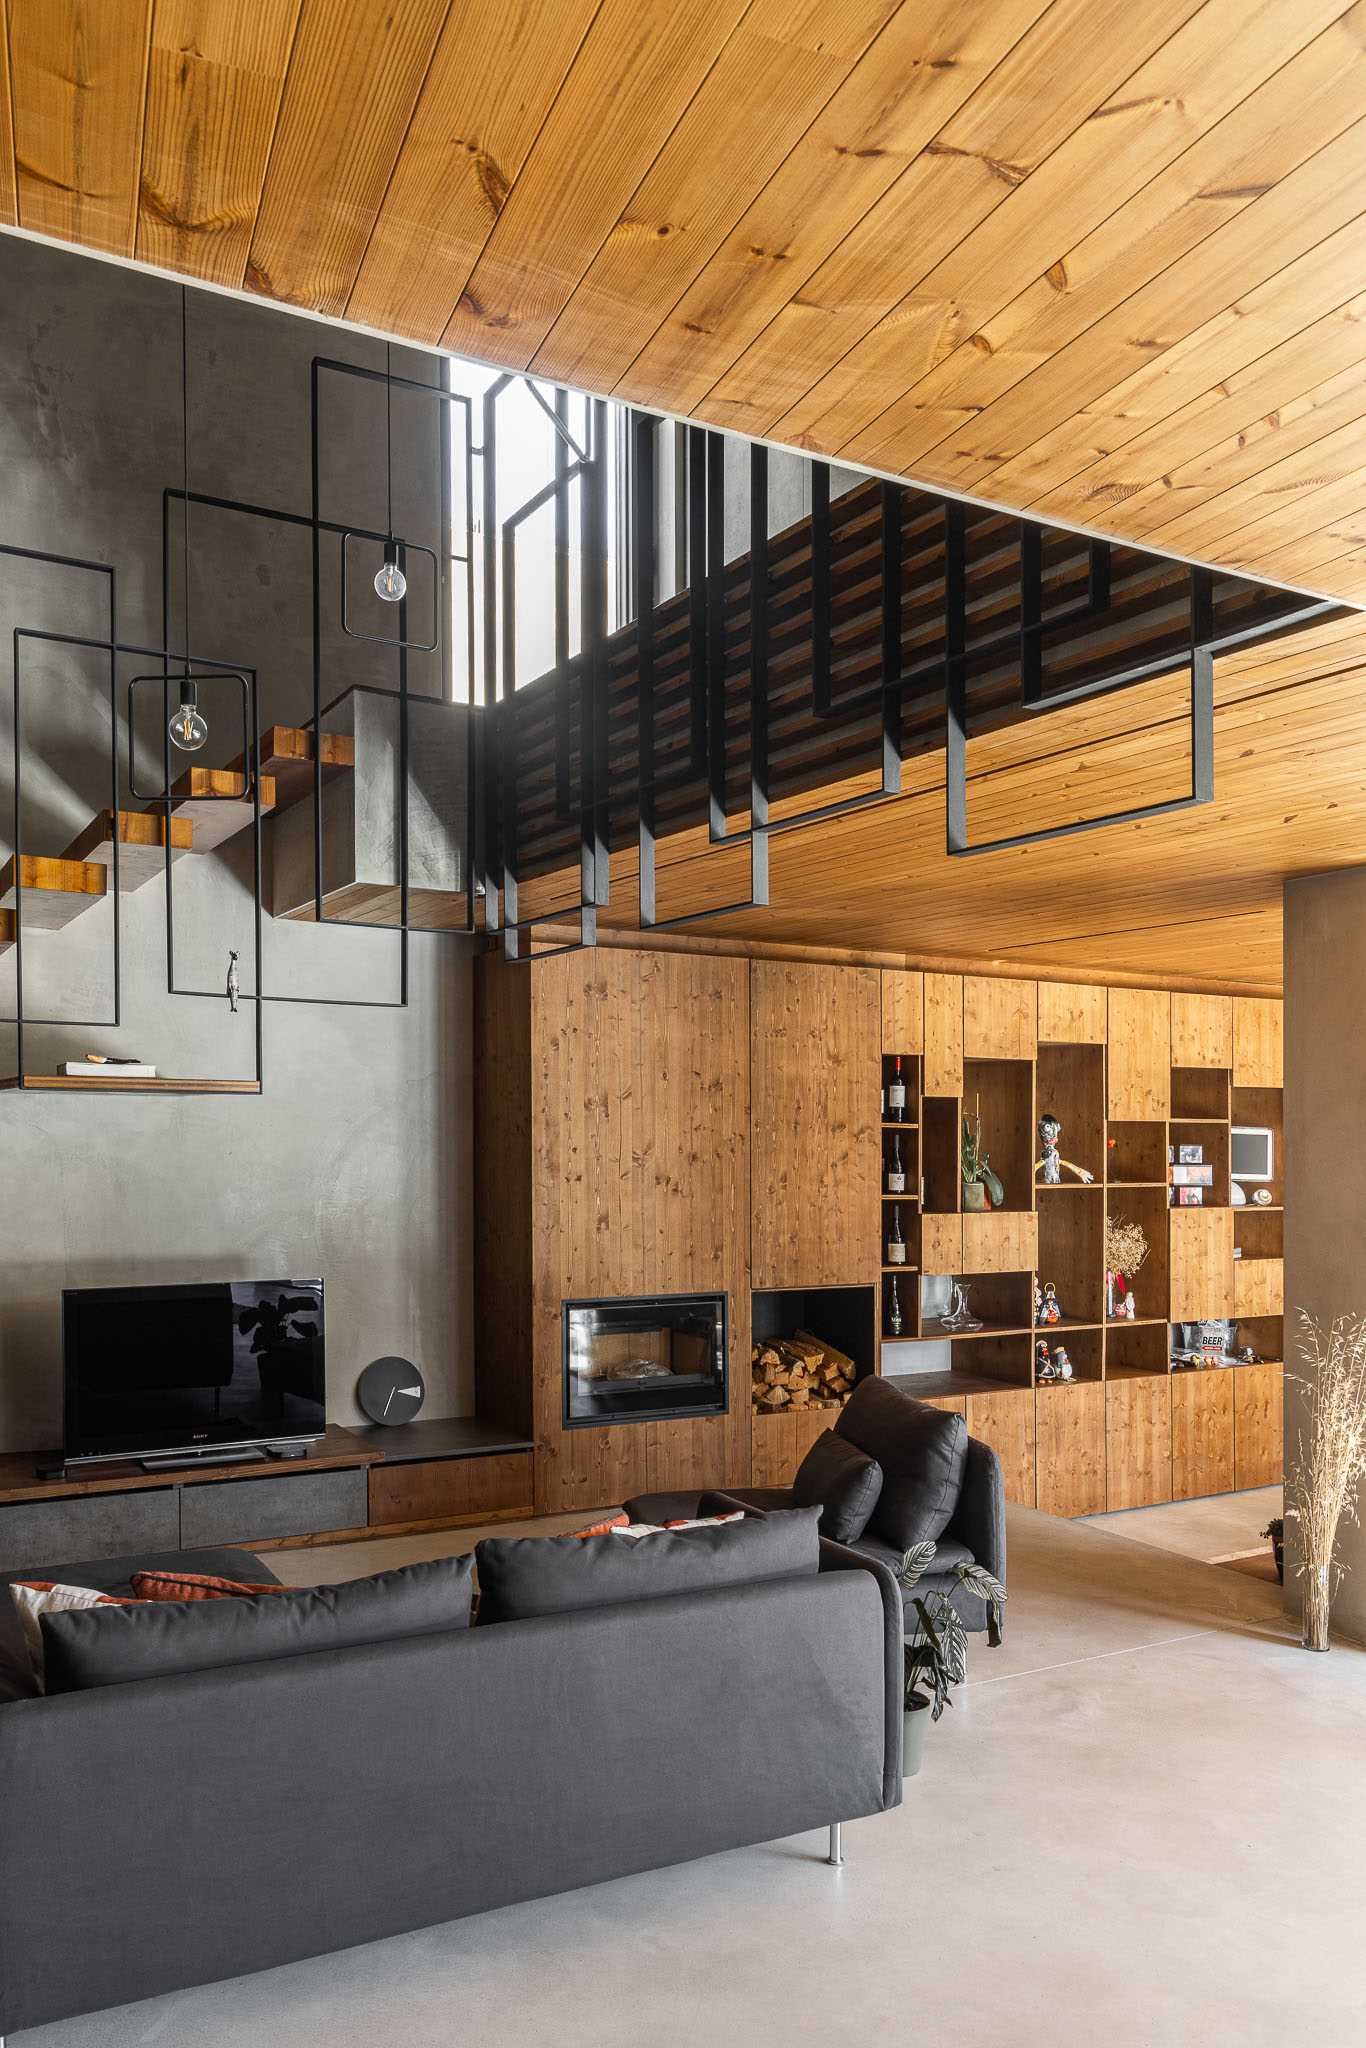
(1000, 1241)
(1138, 1441)
(1140, 1055)
(903, 1011)
(1000, 1018)
(1258, 1287)
(1005, 1421)
(1202, 1031)
(1070, 1434)
(1202, 1432)
(943, 1034)
(1071, 1013)
(941, 1243)
(815, 1159)
(1257, 1051)
(1202, 1264)
(1258, 1426)
(782, 1441)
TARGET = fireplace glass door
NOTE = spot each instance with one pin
(643, 1359)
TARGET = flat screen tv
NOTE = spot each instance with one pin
(225, 1366)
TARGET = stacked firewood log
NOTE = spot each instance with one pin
(800, 1371)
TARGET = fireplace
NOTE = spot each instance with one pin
(644, 1358)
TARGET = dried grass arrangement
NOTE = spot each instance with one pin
(1330, 1459)
(1126, 1246)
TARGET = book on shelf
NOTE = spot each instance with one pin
(108, 1070)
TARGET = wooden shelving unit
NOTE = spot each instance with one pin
(113, 1084)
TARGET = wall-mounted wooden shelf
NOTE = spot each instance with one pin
(111, 1084)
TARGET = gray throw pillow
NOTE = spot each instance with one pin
(522, 1577)
(923, 1453)
(843, 1482)
(161, 1638)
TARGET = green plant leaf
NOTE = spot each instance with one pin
(915, 1564)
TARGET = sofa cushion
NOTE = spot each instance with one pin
(523, 1577)
(113, 1645)
(922, 1451)
(947, 1554)
(842, 1481)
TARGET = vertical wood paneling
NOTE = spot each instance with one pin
(353, 83)
(78, 74)
(1004, 1241)
(941, 1243)
(1138, 1441)
(1140, 1054)
(1258, 1051)
(1007, 1422)
(903, 1010)
(1202, 1432)
(214, 83)
(640, 1185)
(1070, 1424)
(816, 1164)
(506, 1233)
(1202, 1264)
(8, 193)
(1202, 1030)
(1000, 1018)
(943, 996)
(1258, 1287)
(1071, 1013)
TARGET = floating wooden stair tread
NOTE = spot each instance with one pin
(214, 803)
(54, 891)
(285, 755)
(6, 930)
(142, 842)
(113, 1084)
(379, 904)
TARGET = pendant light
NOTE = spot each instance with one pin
(390, 582)
(188, 727)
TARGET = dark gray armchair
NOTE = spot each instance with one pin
(937, 1484)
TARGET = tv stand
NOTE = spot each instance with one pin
(195, 1461)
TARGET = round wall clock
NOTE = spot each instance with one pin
(391, 1390)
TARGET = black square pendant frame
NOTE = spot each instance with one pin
(163, 682)
(402, 548)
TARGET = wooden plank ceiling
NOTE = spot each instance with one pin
(1097, 260)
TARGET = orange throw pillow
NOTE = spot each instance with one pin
(194, 1586)
(620, 1520)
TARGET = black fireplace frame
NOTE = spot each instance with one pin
(645, 1301)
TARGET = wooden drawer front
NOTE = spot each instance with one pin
(1006, 1422)
(1070, 1421)
(941, 1244)
(1071, 1013)
(1138, 1441)
(1258, 1287)
(259, 1510)
(1000, 1018)
(449, 1489)
(1202, 1031)
(1140, 1058)
(49, 1532)
(1202, 1264)
(1257, 1051)
(1202, 1432)
(1006, 1241)
(1258, 1432)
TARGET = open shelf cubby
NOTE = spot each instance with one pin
(1147, 1206)
(1200, 1094)
(1136, 1349)
(843, 1316)
(1004, 1361)
(1137, 1154)
(1001, 1302)
(1263, 1109)
(1211, 1139)
(940, 1155)
(1072, 1252)
(1001, 1092)
(1071, 1087)
(1259, 1233)
(1266, 1335)
(1085, 1348)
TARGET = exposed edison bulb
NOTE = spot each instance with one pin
(390, 582)
(188, 727)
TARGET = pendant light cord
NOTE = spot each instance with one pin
(389, 435)
(185, 459)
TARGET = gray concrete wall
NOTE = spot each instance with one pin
(356, 1161)
(1325, 1157)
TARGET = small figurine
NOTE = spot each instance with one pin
(1043, 1364)
(234, 986)
(1119, 1297)
(1052, 1163)
(1049, 1309)
(1062, 1364)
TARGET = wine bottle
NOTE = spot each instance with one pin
(896, 1243)
(896, 1094)
(896, 1172)
(894, 1309)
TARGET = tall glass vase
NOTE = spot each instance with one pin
(1317, 1600)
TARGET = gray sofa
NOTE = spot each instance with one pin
(918, 1446)
(168, 1832)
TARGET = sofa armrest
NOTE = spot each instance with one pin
(979, 1520)
(838, 1557)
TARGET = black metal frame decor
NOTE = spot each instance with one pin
(402, 550)
(164, 683)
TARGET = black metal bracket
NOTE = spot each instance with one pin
(403, 548)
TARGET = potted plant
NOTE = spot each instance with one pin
(1330, 1460)
(1275, 1531)
(981, 1188)
(936, 1656)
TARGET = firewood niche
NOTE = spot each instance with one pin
(800, 1371)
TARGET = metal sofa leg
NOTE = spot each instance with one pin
(835, 1857)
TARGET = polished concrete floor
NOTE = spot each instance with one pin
(1140, 1827)
(1213, 1530)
